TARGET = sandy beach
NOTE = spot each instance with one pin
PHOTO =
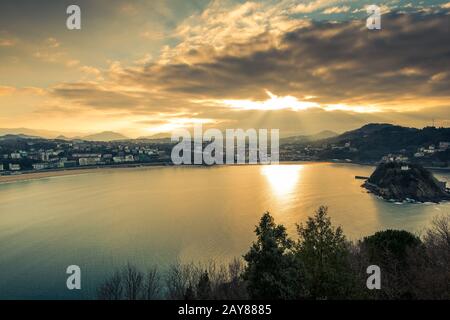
(67, 172)
(47, 174)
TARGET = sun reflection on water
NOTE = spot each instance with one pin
(282, 178)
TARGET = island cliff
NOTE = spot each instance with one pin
(406, 182)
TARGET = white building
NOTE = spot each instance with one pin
(118, 159)
(431, 149)
(40, 166)
(1, 166)
(129, 158)
(86, 155)
(45, 156)
(14, 167)
(88, 161)
(15, 155)
(444, 146)
(394, 158)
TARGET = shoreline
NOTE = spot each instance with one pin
(43, 174)
(61, 172)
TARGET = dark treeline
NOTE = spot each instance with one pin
(320, 264)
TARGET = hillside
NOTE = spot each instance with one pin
(400, 182)
(326, 134)
(373, 141)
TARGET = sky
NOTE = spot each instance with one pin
(148, 67)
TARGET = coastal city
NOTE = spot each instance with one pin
(19, 154)
(23, 154)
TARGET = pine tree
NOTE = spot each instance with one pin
(270, 265)
(322, 254)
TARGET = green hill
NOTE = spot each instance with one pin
(373, 141)
(401, 181)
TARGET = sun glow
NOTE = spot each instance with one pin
(357, 109)
(273, 103)
(286, 103)
(178, 123)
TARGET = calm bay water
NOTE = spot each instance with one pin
(102, 220)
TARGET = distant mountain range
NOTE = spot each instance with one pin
(371, 141)
(47, 134)
(105, 136)
(114, 136)
(30, 132)
(17, 136)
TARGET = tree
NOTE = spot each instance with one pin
(270, 267)
(431, 269)
(189, 294)
(322, 253)
(132, 282)
(111, 289)
(204, 287)
(396, 252)
(177, 282)
(152, 285)
(383, 246)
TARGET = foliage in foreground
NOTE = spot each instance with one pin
(320, 264)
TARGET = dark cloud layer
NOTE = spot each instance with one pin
(405, 64)
(334, 61)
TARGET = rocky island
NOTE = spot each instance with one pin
(400, 182)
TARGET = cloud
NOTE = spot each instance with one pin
(72, 63)
(342, 67)
(52, 43)
(6, 39)
(334, 10)
(221, 60)
(5, 90)
(336, 62)
(94, 95)
(91, 72)
(7, 42)
(311, 6)
(225, 25)
(50, 50)
(8, 91)
(441, 76)
(128, 9)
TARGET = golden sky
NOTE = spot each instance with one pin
(147, 67)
